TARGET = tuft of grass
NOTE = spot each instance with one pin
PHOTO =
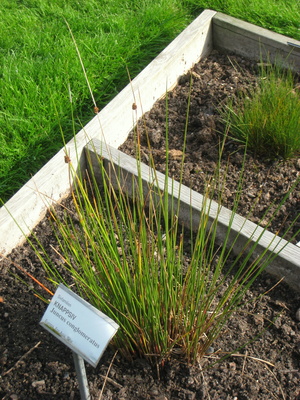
(267, 120)
(171, 290)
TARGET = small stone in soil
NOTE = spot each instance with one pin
(38, 383)
(210, 350)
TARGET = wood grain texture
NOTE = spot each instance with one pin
(251, 41)
(287, 262)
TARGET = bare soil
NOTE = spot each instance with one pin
(34, 365)
(207, 87)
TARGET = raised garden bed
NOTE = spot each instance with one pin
(52, 183)
(113, 124)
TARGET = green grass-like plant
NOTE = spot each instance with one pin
(171, 290)
(268, 118)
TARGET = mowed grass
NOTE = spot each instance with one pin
(42, 85)
(40, 70)
(281, 16)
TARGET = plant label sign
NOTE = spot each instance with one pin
(79, 325)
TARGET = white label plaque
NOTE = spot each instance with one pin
(79, 325)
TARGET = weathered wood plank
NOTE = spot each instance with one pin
(286, 264)
(232, 34)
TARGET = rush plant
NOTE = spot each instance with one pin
(268, 119)
(170, 289)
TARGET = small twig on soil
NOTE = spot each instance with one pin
(22, 358)
(252, 358)
(28, 274)
(273, 287)
(264, 362)
(278, 383)
(107, 379)
(204, 382)
(244, 362)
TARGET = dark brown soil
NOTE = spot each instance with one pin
(34, 365)
(265, 181)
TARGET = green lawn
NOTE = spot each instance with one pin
(42, 84)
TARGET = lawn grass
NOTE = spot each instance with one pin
(281, 16)
(40, 68)
(41, 73)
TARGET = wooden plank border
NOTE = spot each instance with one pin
(233, 35)
(287, 262)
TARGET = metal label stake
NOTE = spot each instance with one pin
(81, 377)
